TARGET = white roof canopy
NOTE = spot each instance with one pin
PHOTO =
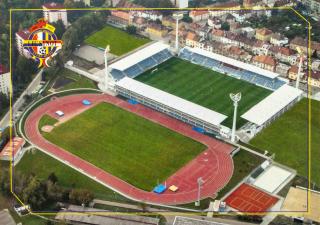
(138, 56)
(233, 62)
(271, 105)
(172, 101)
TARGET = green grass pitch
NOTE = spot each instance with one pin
(126, 145)
(287, 138)
(204, 87)
(120, 41)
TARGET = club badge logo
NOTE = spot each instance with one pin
(42, 43)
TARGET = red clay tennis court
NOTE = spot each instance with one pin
(247, 198)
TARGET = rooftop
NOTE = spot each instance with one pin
(172, 101)
(12, 148)
(271, 105)
(264, 31)
(53, 5)
(265, 59)
(138, 56)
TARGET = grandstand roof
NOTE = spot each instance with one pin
(172, 101)
(271, 105)
(235, 63)
(138, 56)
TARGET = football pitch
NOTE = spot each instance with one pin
(126, 145)
(287, 137)
(204, 87)
(120, 41)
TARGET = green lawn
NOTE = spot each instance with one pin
(204, 87)
(79, 81)
(287, 138)
(128, 146)
(46, 120)
(42, 165)
(120, 41)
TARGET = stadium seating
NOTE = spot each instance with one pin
(117, 74)
(142, 66)
(248, 76)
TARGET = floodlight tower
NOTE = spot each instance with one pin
(200, 182)
(300, 67)
(178, 16)
(106, 75)
(235, 98)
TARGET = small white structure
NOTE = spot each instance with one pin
(59, 113)
(273, 178)
(5, 82)
(180, 3)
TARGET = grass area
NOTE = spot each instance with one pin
(287, 137)
(244, 163)
(46, 120)
(78, 81)
(120, 41)
(42, 165)
(143, 157)
(204, 87)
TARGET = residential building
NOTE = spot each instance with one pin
(5, 81)
(265, 62)
(199, 15)
(282, 69)
(13, 149)
(120, 18)
(241, 16)
(260, 48)
(156, 30)
(263, 34)
(149, 14)
(214, 22)
(20, 37)
(314, 79)
(250, 3)
(248, 31)
(169, 21)
(235, 28)
(53, 12)
(284, 54)
(180, 3)
(86, 2)
(302, 44)
(231, 5)
(192, 39)
(293, 72)
(139, 22)
(278, 39)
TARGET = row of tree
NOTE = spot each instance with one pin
(39, 194)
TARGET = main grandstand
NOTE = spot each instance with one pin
(253, 81)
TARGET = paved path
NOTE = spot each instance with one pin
(214, 165)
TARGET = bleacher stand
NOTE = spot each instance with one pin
(254, 78)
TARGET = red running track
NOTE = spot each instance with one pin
(214, 165)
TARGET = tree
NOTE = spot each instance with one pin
(225, 26)
(60, 28)
(53, 178)
(81, 196)
(131, 29)
(34, 193)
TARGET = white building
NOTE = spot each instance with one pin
(86, 2)
(180, 3)
(4, 80)
(20, 37)
(52, 12)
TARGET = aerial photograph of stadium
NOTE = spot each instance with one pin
(159, 112)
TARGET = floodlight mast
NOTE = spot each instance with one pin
(200, 181)
(235, 98)
(300, 67)
(106, 51)
(177, 16)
